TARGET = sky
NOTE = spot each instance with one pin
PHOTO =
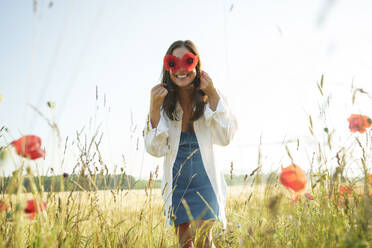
(98, 60)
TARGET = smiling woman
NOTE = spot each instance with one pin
(180, 75)
(187, 117)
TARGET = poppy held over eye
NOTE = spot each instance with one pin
(29, 147)
(189, 61)
(359, 123)
(293, 177)
(171, 63)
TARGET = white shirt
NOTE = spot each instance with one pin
(214, 127)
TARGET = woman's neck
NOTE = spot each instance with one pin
(185, 96)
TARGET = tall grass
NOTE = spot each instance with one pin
(259, 215)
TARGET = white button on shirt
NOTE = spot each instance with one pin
(214, 127)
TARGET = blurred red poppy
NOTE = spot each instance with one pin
(309, 196)
(370, 178)
(189, 61)
(29, 147)
(172, 63)
(359, 123)
(32, 209)
(345, 191)
(3, 206)
(293, 177)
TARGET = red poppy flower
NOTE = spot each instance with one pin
(172, 63)
(32, 209)
(3, 206)
(293, 177)
(29, 147)
(359, 123)
(345, 191)
(309, 196)
(189, 61)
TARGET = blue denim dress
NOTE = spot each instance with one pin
(189, 179)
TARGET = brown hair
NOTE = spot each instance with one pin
(169, 104)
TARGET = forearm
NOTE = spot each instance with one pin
(156, 134)
(154, 116)
(213, 99)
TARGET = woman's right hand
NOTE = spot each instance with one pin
(158, 94)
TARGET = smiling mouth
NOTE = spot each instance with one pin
(182, 76)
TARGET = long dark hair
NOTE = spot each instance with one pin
(170, 101)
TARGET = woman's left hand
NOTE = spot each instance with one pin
(206, 85)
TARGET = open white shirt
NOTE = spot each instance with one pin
(214, 127)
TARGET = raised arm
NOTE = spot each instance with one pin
(158, 94)
(217, 114)
(156, 129)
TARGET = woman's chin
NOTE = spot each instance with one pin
(183, 84)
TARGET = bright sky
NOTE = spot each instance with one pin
(265, 56)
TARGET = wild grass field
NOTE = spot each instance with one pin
(258, 216)
(334, 210)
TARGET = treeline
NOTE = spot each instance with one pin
(269, 178)
(109, 182)
(75, 182)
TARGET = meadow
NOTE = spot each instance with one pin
(335, 209)
(258, 216)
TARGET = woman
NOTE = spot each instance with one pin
(187, 116)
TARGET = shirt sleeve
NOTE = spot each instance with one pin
(221, 122)
(156, 139)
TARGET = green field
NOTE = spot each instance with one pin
(258, 216)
